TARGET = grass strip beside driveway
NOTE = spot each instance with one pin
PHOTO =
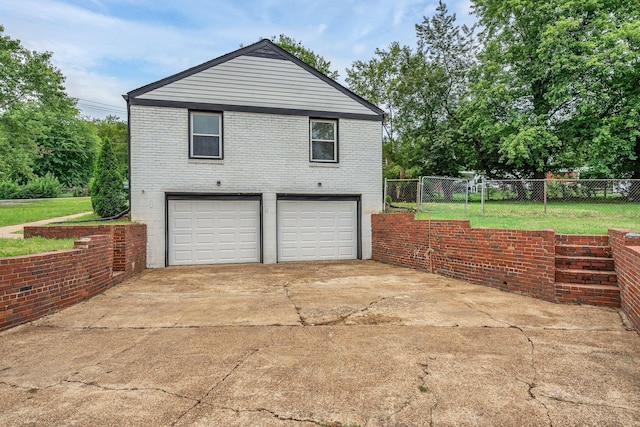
(34, 245)
(22, 211)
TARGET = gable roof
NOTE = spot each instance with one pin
(261, 77)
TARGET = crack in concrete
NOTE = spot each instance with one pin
(530, 384)
(283, 418)
(626, 324)
(103, 387)
(488, 315)
(223, 379)
(421, 388)
(92, 325)
(30, 389)
(425, 369)
(600, 403)
(533, 384)
(295, 279)
(341, 319)
(303, 322)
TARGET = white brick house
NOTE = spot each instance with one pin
(253, 157)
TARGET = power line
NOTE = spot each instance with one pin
(87, 104)
(99, 103)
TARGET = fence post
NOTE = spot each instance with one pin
(466, 196)
(545, 195)
(484, 178)
(384, 195)
(419, 194)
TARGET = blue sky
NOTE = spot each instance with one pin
(107, 48)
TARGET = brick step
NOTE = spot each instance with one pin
(584, 250)
(586, 277)
(584, 263)
(599, 295)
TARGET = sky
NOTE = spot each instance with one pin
(106, 48)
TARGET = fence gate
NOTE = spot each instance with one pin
(402, 192)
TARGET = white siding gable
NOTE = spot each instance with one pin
(259, 82)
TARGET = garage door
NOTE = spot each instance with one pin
(213, 231)
(311, 230)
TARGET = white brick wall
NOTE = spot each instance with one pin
(263, 153)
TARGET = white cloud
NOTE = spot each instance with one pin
(104, 56)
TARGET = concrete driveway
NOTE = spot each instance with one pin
(319, 344)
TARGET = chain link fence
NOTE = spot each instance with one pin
(458, 198)
(442, 194)
(558, 196)
(402, 193)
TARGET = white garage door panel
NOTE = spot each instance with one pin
(214, 231)
(317, 230)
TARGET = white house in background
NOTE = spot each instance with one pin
(253, 157)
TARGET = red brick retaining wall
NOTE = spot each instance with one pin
(626, 253)
(33, 286)
(512, 260)
(129, 246)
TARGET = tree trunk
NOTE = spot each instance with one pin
(447, 190)
(537, 190)
(521, 190)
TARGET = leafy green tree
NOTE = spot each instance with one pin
(557, 87)
(307, 56)
(16, 156)
(40, 129)
(116, 131)
(49, 141)
(436, 82)
(378, 81)
(107, 194)
(27, 75)
(421, 91)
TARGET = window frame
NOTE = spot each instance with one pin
(218, 114)
(313, 120)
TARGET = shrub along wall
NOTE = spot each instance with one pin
(33, 286)
(512, 260)
(626, 255)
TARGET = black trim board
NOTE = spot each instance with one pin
(319, 197)
(203, 106)
(213, 196)
(129, 152)
(209, 196)
(261, 48)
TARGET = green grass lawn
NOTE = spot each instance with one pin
(567, 217)
(34, 245)
(18, 212)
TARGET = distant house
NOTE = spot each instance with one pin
(253, 157)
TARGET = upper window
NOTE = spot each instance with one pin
(206, 135)
(324, 140)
